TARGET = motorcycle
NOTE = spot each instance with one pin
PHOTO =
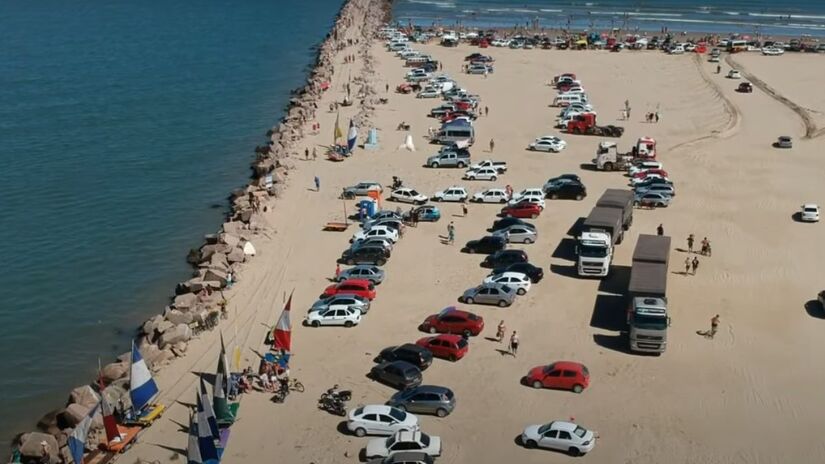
(396, 183)
(335, 402)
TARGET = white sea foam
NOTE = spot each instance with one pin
(436, 3)
(547, 10)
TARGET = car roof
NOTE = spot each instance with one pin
(520, 275)
(570, 365)
(375, 409)
(810, 205)
(363, 282)
(410, 347)
(448, 337)
(564, 425)
(408, 435)
(430, 389)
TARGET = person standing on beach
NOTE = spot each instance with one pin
(514, 344)
(657, 117)
(690, 243)
(450, 233)
(695, 264)
(465, 209)
(501, 331)
(387, 87)
(660, 230)
(486, 111)
(687, 266)
(317, 184)
(718, 69)
(306, 153)
(714, 326)
(492, 145)
(704, 246)
(314, 149)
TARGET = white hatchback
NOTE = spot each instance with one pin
(493, 195)
(535, 195)
(341, 315)
(453, 193)
(515, 280)
(378, 419)
(384, 232)
(481, 174)
(559, 435)
(408, 195)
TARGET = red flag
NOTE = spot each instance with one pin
(283, 329)
(108, 412)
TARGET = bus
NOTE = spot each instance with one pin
(735, 46)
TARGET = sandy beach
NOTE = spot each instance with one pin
(750, 395)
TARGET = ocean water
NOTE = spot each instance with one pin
(766, 17)
(123, 127)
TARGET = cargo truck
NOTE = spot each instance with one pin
(620, 199)
(601, 230)
(647, 315)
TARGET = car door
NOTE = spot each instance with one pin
(339, 317)
(393, 375)
(369, 422)
(385, 424)
(552, 379)
(568, 378)
(449, 323)
(492, 295)
(550, 439)
(483, 295)
(564, 440)
(437, 347)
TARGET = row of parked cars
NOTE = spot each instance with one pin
(651, 185)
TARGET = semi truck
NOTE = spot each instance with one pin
(600, 232)
(585, 124)
(620, 199)
(647, 315)
(608, 157)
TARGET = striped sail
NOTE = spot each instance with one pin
(142, 386)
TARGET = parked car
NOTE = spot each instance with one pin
(517, 234)
(643, 166)
(445, 346)
(653, 199)
(351, 301)
(573, 190)
(505, 257)
(449, 159)
(382, 242)
(649, 173)
(533, 200)
(784, 142)
(379, 231)
(379, 419)
(641, 180)
(392, 222)
(429, 93)
(453, 321)
(714, 59)
(509, 221)
(492, 195)
(488, 244)
(360, 287)
(564, 178)
(408, 195)
(361, 189)
(341, 315)
(547, 145)
(427, 399)
(515, 280)
(745, 87)
(405, 457)
(734, 74)
(559, 435)
(398, 374)
(809, 213)
(653, 181)
(454, 193)
(527, 193)
(480, 69)
(362, 271)
(367, 254)
(563, 375)
(500, 166)
(525, 209)
(492, 294)
(419, 357)
(666, 189)
(427, 213)
(403, 442)
(534, 273)
(481, 174)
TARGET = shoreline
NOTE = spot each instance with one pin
(223, 256)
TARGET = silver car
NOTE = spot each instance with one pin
(490, 293)
(518, 233)
(363, 271)
(353, 301)
(666, 189)
(654, 199)
(427, 399)
(361, 189)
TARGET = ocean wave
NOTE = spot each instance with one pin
(784, 16)
(548, 10)
(731, 13)
(736, 23)
(524, 10)
(635, 13)
(436, 3)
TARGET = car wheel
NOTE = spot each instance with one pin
(452, 358)
(521, 291)
(577, 388)
(494, 178)
(503, 201)
(579, 197)
(537, 384)
(502, 303)
(381, 262)
(460, 164)
(469, 300)
(316, 324)
(573, 451)
(433, 164)
(471, 250)
(441, 412)
(436, 199)
(348, 324)
(528, 241)
(432, 330)
(530, 444)
(359, 432)
(554, 196)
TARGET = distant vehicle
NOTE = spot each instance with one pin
(419, 357)
(446, 346)
(352, 301)
(734, 74)
(427, 213)
(361, 189)
(372, 254)
(334, 315)
(360, 287)
(500, 166)
(480, 69)
(454, 193)
(653, 199)
(449, 158)
(563, 375)
(527, 193)
(428, 399)
(518, 234)
(515, 280)
(524, 209)
(453, 321)
(492, 294)
(647, 177)
(568, 190)
(488, 244)
(505, 257)
(408, 195)
(379, 419)
(553, 138)
(809, 213)
(652, 181)
(562, 179)
(547, 145)
(491, 195)
(714, 59)
(534, 273)
(363, 271)
(784, 142)
(745, 87)
(482, 174)
(559, 435)
(386, 232)
(773, 51)
(398, 374)
(403, 442)
(643, 166)
(666, 189)
(509, 221)
(429, 93)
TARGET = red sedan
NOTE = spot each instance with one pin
(453, 321)
(646, 172)
(360, 287)
(522, 210)
(452, 347)
(564, 375)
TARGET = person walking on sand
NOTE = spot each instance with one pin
(657, 117)
(486, 111)
(337, 271)
(450, 233)
(660, 230)
(718, 69)
(501, 331)
(306, 153)
(314, 149)
(694, 264)
(687, 266)
(492, 145)
(317, 184)
(704, 246)
(465, 209)
(514, 344)
(714, 326)
(690, 243)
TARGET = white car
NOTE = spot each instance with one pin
(526, 193)
(481, 174)
(734, 74)
(641, 180)
(334, 315)
(677, 50)
(773, 51)
(500, 166)
(714, 59)
(559, 435)
(809, 213)
(429, 93)
(404, 441)
(493, 195)
(453, 193)
(547, 145)
(379, 419)
(539, 201)
(408, 195)
(515, 280)
(384, 232)
(644, 166)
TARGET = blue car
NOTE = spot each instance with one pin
(428, 213)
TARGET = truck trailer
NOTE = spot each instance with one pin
(647, 315)
(620, 199)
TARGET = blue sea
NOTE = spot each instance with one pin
(124, 125)
(750, 17)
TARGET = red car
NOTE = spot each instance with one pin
(452, 347)
(453, 321)
(646, 172)
(564, 375)
(361, 287)
(522, 210)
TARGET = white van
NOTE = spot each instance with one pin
(398, 46)
(567, 99)
(456, 134)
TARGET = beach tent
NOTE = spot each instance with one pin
(248, 249)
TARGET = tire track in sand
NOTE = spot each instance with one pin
(811, 130)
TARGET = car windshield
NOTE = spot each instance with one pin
(580, 432)
(649, 322)
(588, 251)
(398, 414)
(549, 368)
(425, 439)
(811, 209)
(358, 411)
(506, 289)
(472, 317)
(446, 311)
(544, 428)
(391, 441)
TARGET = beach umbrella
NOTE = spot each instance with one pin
(220, 390)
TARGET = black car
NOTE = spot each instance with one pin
(488, 244)
(567, 190)
(368, 254)
(398, 374)
(534, 273)
(510, 221)
(505, 258)
(418, 356)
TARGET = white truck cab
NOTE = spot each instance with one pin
(595, 254)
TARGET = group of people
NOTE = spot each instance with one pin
(514, 340)
(693, 265)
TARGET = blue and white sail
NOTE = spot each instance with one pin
(77, 440)
(205, 408)
(352, 136)
(207, 449)
(193, 451)
(142, 387)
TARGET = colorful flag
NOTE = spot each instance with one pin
(338, 134)
(77, 440)
(142, 387)
(352, 136)
(283, 329)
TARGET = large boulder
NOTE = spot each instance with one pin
(233, 227)
(151, 325)
(48, 423)
(150, 353)
(177, 317)
(236, 255)
(216, 261)
(185, 302)
(215, 275)
(73, 414)
(209, 250)
(179, 333)
(165, 326)
(117, 394)
(36, 446)
(229, 239)
(114, 371)
(84, 395)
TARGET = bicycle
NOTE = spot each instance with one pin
(295, 385)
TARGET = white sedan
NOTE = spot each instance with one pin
(559, 435)
(641, 180)
(644, 166)
(809, 213)
(408, 195)
(493, 195)
(515, 280)
(384, 232)
(403, 441)
(528, 193)
(539, 201)
(481, 174)
(453, 193)
(734, 74)
(547, 145)
(334, 315)
(379, 419)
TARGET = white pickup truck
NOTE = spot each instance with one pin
(500, 166)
